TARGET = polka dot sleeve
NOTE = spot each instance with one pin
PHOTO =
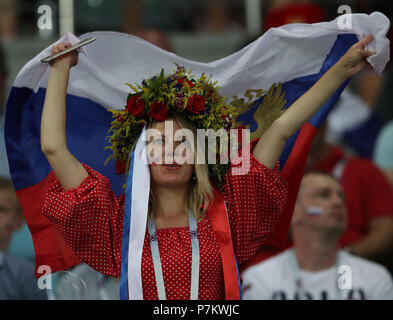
(90, 220)
(254, 199)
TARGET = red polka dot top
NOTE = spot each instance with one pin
(90, 220)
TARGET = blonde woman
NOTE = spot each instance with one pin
(88, 215)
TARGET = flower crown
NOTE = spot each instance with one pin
(155, 99)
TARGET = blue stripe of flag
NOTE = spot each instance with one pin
(87, 128)
(295, 88)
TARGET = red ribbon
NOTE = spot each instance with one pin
(219, 220)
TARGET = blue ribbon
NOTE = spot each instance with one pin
(126, 234)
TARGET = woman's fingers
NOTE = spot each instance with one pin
(369, 53)
(366, 40)
(63, 46)
(360, 47)
(365, 53)
(60, 47)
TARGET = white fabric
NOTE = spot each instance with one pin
(278, 274)
(84, 283)
(349, 112)
(282, 53)
(139, 208)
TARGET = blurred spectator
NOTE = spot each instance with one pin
(353, 124)
(285, 12)
(17, 279)
(99, 15)
(10, 213)
(183, 15)
(4, 170)
(275, 4)
(19, 17)
(383, 155)
(132, 16)
(349, 112)
(369, 232)
(369, 86)
(383, 106)
(315, 268)
(369, 202)
(158, 15)
(156, 37)
(84, 283)
(8, 18)
(361, 138)
(218, 17)
(21, 244)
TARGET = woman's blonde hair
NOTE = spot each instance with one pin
(200, 191)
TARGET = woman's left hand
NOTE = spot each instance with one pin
(354, 60)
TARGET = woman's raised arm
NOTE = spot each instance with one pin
(66, 167)
(272, 142)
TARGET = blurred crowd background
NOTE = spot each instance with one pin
(206, 30)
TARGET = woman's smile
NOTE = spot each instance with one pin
(171, 167)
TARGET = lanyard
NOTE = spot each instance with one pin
(195, 262)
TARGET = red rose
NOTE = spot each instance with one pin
(136, 106)
(158, 111)
(196, 104)
(120, 166)
(181, 81)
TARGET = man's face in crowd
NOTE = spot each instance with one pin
(321, 204)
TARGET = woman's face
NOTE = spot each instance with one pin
(170, 152)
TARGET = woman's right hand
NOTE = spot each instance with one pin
(66, 167)
(66, 61)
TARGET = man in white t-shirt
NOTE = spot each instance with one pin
(315, 268)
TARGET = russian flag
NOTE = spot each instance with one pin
(295, 55)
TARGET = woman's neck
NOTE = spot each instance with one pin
(169, 207)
